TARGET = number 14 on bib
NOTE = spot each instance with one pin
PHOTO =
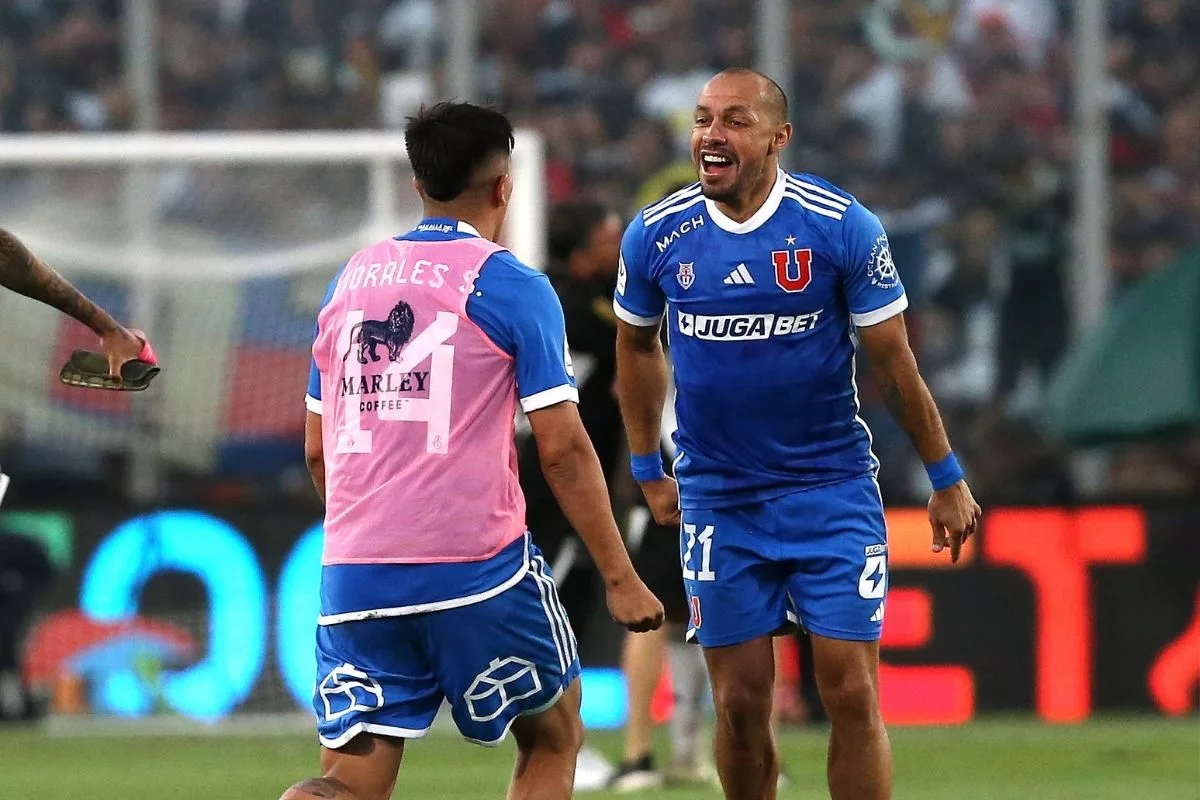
(393, 405)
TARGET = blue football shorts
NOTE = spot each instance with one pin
(494, 660)
(816, 557)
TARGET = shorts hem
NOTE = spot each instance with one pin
(571, 677)
(845, 636)
(369, 727)
(740, 638)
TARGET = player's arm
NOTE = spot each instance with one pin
(952, 510)
(314, 452)
(642, 380)
(314, 447)
(642, 374)
(876, 300)
(572, 470)
(535, 333)
(26, 274)
(641, 384)
(904, 391)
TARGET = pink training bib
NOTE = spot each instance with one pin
(418, 409)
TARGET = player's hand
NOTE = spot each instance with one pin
(954, 516)
(662, 498)
(634, 606)
(122, 346)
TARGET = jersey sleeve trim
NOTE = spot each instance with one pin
(633, 319)
(312, 404)
(869, 318)
(550, 397)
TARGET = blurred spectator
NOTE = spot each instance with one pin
(1034, 205)
(952, 119)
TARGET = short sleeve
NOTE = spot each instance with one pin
(312, 397)
(870, 280)
(543, 361)
(517, 308)
(638, 300)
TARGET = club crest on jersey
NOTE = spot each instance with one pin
(686, 275)
(882, 269)
(793, 269)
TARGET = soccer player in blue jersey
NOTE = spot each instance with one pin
(769, 283)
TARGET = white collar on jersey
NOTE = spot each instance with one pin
(756, 221)
(466, 227)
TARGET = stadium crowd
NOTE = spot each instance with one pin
(952, 120)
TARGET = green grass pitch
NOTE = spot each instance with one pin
(992, 759)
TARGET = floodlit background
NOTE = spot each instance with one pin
(1037, 166)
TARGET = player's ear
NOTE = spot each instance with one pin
(782, 136)
(502, 191)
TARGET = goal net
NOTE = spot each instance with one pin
(220, 246)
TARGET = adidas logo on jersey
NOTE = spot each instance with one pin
(739, 277)
(878, 615)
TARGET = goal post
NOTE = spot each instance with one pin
(220, 245)
(380, 152)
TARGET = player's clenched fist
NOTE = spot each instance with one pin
(954, 516)
(634, 606)
(662, 497)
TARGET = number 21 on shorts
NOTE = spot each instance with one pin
(703, 537)
(434, 410)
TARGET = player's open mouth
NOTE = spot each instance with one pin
(714, 165)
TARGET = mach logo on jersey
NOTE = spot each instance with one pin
(687, 226)
(746, 327)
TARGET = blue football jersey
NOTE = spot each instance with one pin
(760, 317)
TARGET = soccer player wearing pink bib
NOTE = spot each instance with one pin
(431, 589)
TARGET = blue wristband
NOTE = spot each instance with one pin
(945, 473)
(647, 468)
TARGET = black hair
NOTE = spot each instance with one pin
(572, 224)
(447, 143)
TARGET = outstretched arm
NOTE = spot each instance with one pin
(25, 273)
(952, 510)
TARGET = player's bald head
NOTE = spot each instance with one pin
(756, 87)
